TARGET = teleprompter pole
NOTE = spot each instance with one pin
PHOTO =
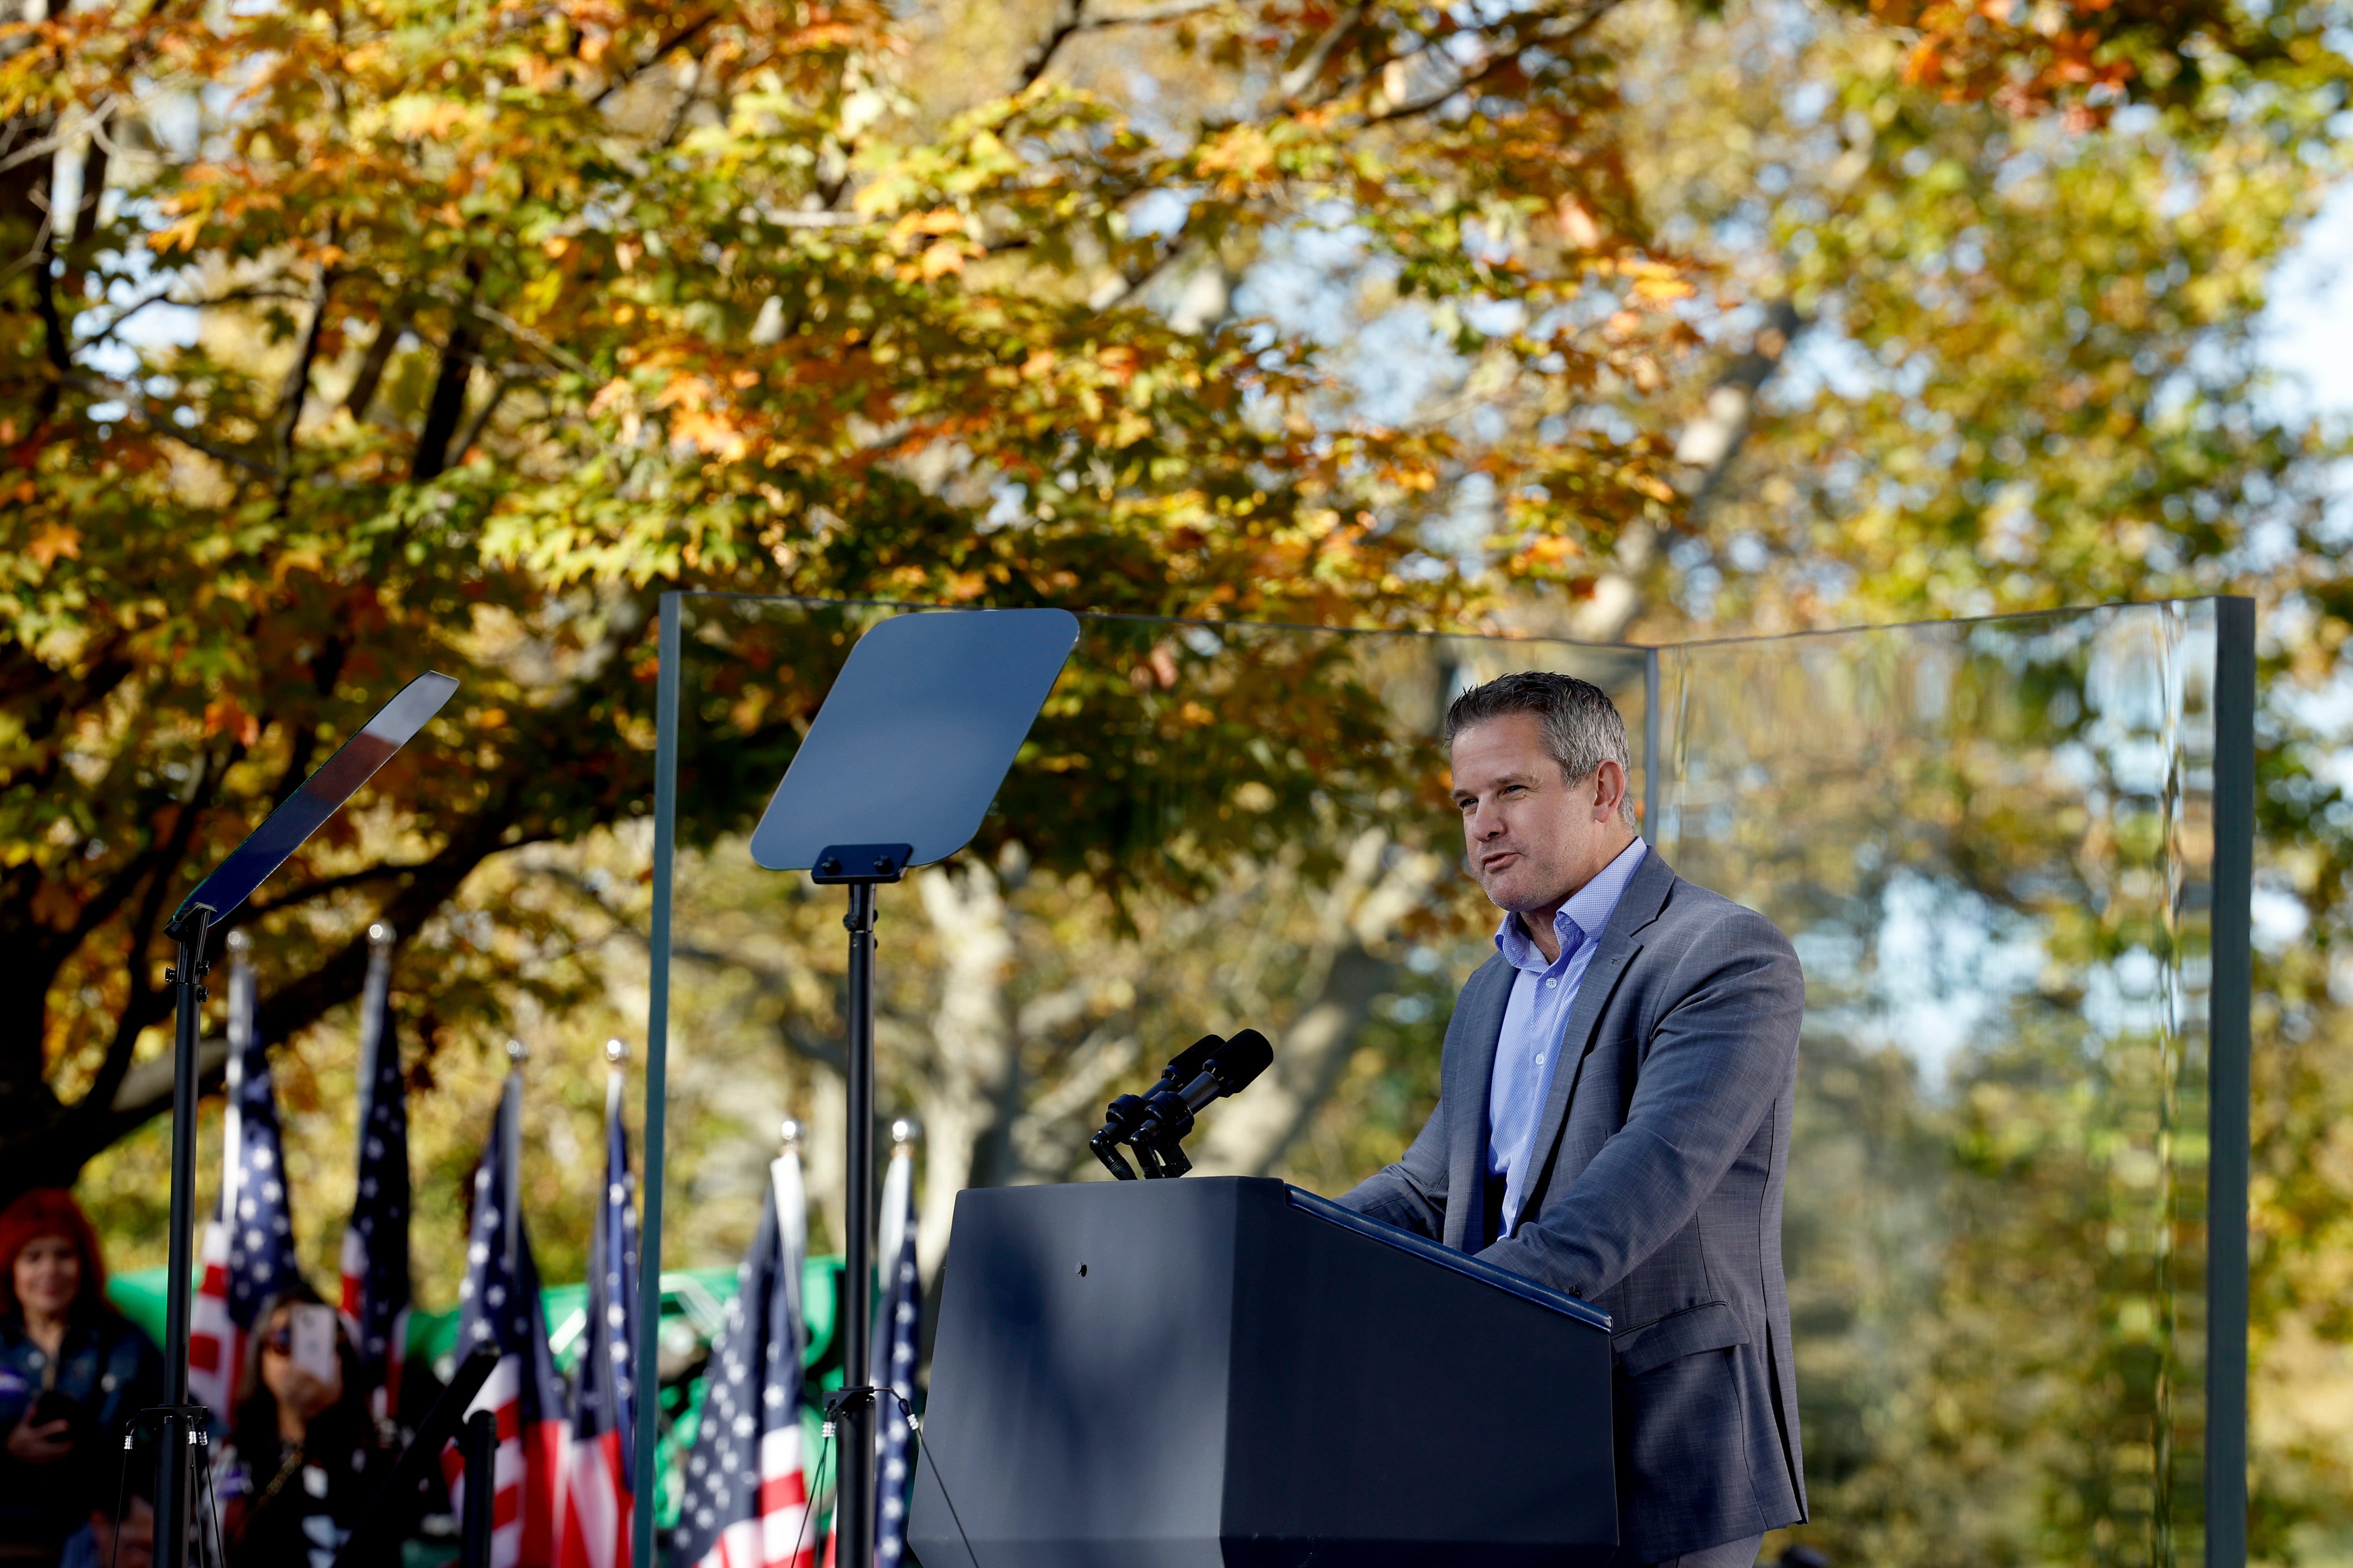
(173, 1495)
(854, 1515)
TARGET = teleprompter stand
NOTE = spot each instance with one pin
(897, 772)
(217, 898)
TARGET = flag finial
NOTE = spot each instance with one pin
(904, 1131)
(617, 1050)
(380, 934)
(239, 943)
(517, 1052)
(790, 1133)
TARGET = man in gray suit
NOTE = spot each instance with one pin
(1613, 1117)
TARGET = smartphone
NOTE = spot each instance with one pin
(54, 1406)
(314, 1330)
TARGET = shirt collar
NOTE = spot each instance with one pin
(1589, 908)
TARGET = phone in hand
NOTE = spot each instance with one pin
(53, 1406)
(313, 1330)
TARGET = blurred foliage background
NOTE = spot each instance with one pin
(345, 339)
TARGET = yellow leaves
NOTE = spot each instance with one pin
(284, 562)
(1551, 549)
(178, 234)
(948, 251)
(939, 220)
(422, 117)
(54, 539)
(1660, 287)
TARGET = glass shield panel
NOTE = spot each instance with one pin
(1992, 844)
(1209, 827)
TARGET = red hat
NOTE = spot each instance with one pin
(49, 1211)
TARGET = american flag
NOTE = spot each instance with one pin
(499, 1303)
(746, 1503)
(376, 1244)
(897, 1330)
(596, 1501)
(248, 1255)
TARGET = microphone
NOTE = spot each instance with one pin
(1169, 1112)
(1230, 1070)
(1128, 1112)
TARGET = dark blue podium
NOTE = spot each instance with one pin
(1231, 1371)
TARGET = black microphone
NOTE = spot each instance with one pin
(1128, 1112)
(1169, 1112)
(1230, 1070)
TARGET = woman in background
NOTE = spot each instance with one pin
(73, 1373)
(302, 1458)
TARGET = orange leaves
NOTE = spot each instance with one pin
(936, 239)
(54, 539)
(939, 261)
(698, 422)
(1576, 224)
(224, 715)
(2026, 60)
(1242, 160)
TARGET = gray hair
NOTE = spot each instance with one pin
(1582, 728)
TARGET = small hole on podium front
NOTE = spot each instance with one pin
(1083, 1270)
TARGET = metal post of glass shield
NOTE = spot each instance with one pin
(854, 1511)
(174, 1496)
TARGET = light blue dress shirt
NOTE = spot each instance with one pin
(1535, 1019)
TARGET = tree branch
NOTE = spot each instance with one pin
(1069, 16)
(665, 46)
(147, 1005)
(297, 389)
(1149, 18)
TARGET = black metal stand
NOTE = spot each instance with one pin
(481, 1460)
(386, 1521)
(175, 1488)
(859, 867)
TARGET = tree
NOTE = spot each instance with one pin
(1747, 320)
(506, 320)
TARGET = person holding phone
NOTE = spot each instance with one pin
(303, 1454)
(73, 1372)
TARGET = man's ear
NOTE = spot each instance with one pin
(1608, 789)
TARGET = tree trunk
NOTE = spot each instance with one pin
(964, 1098)
(1249, 1136)
(447, 405)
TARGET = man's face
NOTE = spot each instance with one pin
(1533, 837)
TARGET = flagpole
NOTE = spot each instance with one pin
(179, 1436)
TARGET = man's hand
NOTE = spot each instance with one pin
(42, 1445)
(132, 1545)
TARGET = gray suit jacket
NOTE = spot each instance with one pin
(1662, 1150)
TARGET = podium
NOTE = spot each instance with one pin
(1231, 1371)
